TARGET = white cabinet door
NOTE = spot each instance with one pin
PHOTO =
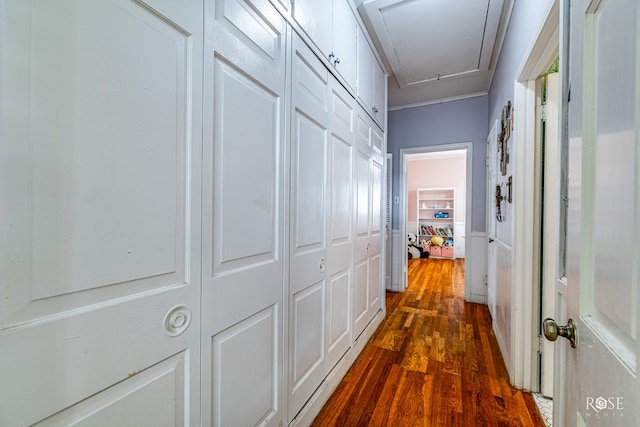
(372, 85)
(597, 382)
(243, 214)
(316, 19)
(332, 26)
(308, 225)
(365, 71)
(379, 93)
(100, 124)
(345, 41)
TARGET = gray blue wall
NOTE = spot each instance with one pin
(439, 124)
(526, 18)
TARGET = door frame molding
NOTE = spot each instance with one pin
(525, 296)
(403, 198)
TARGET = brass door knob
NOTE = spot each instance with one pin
(552, 331)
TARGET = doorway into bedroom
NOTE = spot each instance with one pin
(436, 203)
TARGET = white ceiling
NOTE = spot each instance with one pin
(436, 50)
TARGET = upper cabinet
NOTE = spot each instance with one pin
(333, 28)
(371, 80)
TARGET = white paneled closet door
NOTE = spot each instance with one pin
(100, 124)
(310, 123)
(340, 251)
(375, 239)
(243, 213)
(367, 289)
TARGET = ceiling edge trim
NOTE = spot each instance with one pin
(438, 101)
(502, 34)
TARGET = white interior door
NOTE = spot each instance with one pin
(100, 125)
(600, 376)
(243, 213)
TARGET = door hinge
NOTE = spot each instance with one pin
(543, 112)
(540, 343)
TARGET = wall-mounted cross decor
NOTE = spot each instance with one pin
(503, 138)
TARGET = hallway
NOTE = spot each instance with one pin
(433, 362)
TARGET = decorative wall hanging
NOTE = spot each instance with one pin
(499, 199)
(503, 138)
(510, 186)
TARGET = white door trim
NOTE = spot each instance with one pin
(524, 317)
(402, 218)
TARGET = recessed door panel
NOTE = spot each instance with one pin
(246, 176)
(338, 326)
(615, 143)
(360, 296)
(341, 219)
(103, 183)
(307, 356)
(245, 371)
(309, 187)
(374, 284)
(250, 35)
(376, 197)
(127, 403)
(363, 204)
(363, 129)
(377, 137)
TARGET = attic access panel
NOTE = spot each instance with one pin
(427, 40)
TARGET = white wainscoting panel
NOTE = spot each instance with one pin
(476, 269)
(460, 239)
(502, 317)
(397, 259)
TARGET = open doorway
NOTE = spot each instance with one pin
(537, 243)
(446, 169)
(546, 225)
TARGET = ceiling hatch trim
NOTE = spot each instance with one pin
(427, 41)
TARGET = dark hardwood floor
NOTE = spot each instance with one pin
(433, 362)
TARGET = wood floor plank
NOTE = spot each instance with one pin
(433, 362)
